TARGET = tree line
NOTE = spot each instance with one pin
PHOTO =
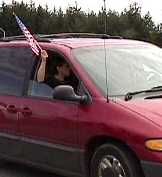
(130, 23)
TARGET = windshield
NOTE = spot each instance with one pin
(129, 68)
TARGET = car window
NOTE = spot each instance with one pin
(40, 90)
(129, 68)
(15, 65)
(45, 88)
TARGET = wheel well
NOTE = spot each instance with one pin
(96, 142)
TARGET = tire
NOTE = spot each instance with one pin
(125, 165)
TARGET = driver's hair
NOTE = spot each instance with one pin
(58, 63)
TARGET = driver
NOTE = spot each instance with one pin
(61, 72)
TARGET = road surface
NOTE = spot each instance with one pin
(17, 170)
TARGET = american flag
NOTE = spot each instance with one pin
(32, 42)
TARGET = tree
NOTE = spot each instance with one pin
(129, 23)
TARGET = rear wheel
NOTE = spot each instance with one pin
(112, 160)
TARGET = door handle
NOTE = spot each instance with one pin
(12, 109)
(26, 111)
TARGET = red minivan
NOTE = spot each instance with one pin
(107, 123)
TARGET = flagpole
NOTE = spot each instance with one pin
(4, 32)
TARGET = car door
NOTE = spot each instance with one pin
(49, 129)
(13, 64)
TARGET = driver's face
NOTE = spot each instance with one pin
(65, 70)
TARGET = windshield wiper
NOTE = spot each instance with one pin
(130, 95)
(157, 87)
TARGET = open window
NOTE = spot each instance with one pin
(43, 89)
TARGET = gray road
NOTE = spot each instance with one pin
(17, 170)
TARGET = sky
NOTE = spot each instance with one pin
(153, 6)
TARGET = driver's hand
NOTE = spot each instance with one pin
(44, 55)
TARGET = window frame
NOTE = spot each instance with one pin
(80, 82)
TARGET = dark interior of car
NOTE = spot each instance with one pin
(53, 57)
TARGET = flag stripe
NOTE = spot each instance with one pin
(32, 42)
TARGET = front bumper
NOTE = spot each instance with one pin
(151, 169)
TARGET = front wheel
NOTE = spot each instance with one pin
(112, 160)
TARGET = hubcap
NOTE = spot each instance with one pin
(110, 167)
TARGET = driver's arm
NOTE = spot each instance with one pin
(42, 69)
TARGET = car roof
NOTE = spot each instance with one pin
(76, 40)
(83, 42)
(90, 42)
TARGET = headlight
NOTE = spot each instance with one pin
(155, 145)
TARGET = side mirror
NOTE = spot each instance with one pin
(66, 92)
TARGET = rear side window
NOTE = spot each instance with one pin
(15, 65)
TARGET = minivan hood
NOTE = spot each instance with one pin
(151, 109)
